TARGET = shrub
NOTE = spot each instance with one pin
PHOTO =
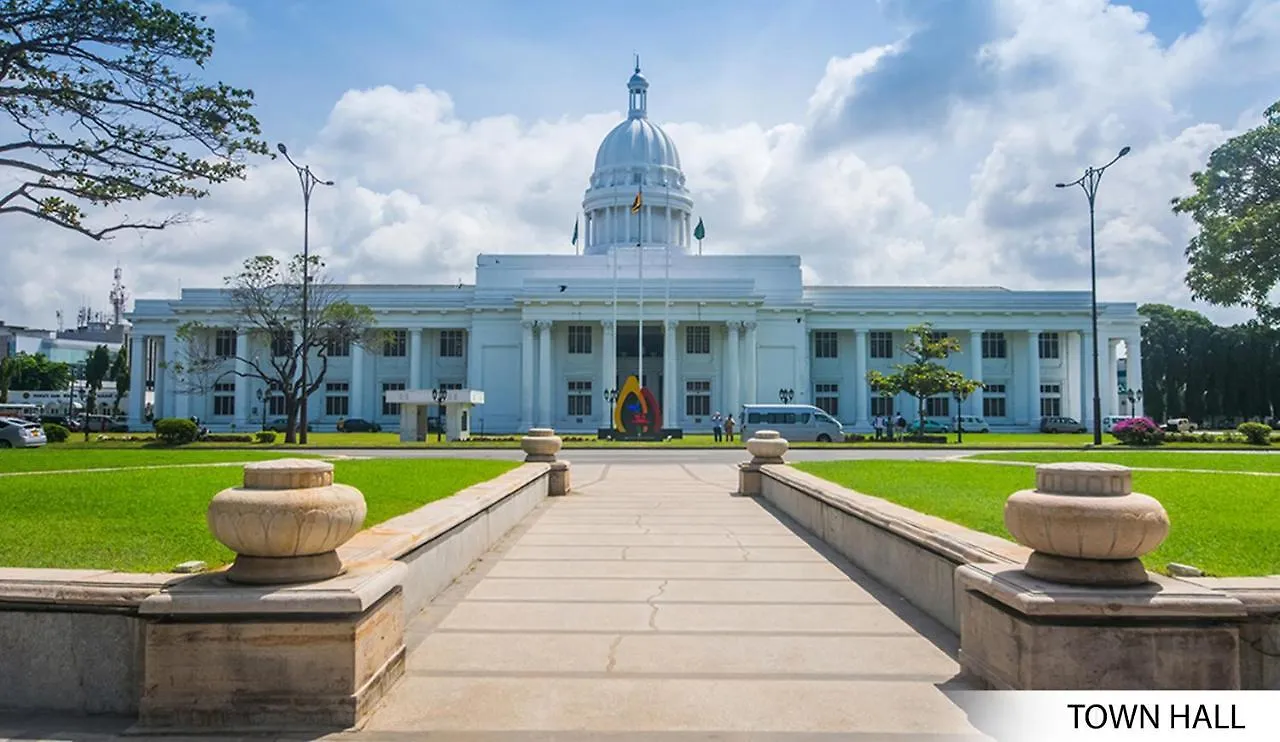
(176, 431)
(1256, 434)
(229, 438)
(1138, 431)
(854, 438)
(56, 433)
(265, 436)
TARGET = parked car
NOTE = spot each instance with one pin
(930, 426)
(281, 425)
(70, 423)
(1180, 425)
(1110, 422)
(103, 424)
(972, 424)
(359, 425)
(1060, 425)
(16, 433)
(795, 422)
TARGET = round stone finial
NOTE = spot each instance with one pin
(1084, 478)
(767, 447)
(1086, 524)
(540, 445)
(288, 474)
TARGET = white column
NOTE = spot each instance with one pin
(1133, 371)
(670, 397)
(415, 359)
(974, 403)
(474, 373)
(647, 234)
(1111, 392)
(356, 407)
(137, 381)
(732, 370)
(544, 373)
(1033, 378)
(803, 387)
(861, 400)
(608, 371)
(752, 382)
(242, 381)
(1086, 387)
(526, 374)
(181, 402)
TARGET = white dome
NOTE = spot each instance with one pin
(637, 142)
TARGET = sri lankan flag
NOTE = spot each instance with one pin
(635, 205)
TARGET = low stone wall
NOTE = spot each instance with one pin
(91, 641)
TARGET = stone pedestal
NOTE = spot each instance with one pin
(1086, 525)
(766, 447)
(540, 445)
(286, 522)
(558, 481)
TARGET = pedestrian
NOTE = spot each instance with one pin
(902, 426)
(728, 428)
(716, 430)
(877, 424)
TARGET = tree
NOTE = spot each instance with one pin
(96, 367)
(36, 373)
(265, 300)
(106, 113)
(923, 377)
(961, 388)
(8, 368)
(122, 375)
(1235, 257)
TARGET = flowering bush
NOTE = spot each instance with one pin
(1138, 431)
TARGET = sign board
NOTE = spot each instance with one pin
(423, 396)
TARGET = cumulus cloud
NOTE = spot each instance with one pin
(928, 160)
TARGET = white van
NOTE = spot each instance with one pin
(795, 422)
(1109, 422)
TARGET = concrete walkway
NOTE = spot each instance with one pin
(652, 605)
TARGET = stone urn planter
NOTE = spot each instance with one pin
(286, 522)
(767, 447)
(540, 444)
(1086, 525)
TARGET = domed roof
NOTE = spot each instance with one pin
(637, 142)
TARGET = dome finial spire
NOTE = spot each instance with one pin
(638, 87)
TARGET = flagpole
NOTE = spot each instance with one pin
(640, 301)
(667, 384)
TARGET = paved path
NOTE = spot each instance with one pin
(653, 605)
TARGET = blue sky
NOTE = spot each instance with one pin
(889, 141)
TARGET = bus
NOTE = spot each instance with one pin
(31, 412)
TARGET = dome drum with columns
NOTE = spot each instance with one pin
(707, 333)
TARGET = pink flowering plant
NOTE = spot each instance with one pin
(1138, 431)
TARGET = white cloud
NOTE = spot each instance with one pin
(421, 190)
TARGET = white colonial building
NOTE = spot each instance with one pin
(546, 336)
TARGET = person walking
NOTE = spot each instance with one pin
(728, 428)
(877, 424)
(901, 423)
(716, 430)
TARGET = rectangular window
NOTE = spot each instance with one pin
(224, 399)
(580, 343)
(826, 397)
(881, 344)
(994, 345)
(939, 335)
(275, 404)
(391, 408)
(825, 344)
(336, 399)
(697, 340)
(993, 401)
(337, 347)
(396, 344)
(697, 398)
(1050, 400)
(224, 343)
(580, 395)
(882, 406)
(281, 343)
(1049, 347)
(937, 407)
(451, 343)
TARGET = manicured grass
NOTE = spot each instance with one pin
(57, 457)
(1220, 522)
(1227, 462)
(145, 521)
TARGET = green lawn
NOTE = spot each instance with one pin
(57, 457)
(144, 521)
(1216, 523)
(1227, 462)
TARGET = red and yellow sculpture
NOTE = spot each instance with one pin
(636, 413)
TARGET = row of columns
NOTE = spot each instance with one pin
(614, 224)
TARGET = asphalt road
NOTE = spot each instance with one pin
(649, 455)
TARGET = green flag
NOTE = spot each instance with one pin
(699, 232)
(574, 241)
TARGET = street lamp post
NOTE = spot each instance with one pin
(440, 394)
(1089, 184)
(1131, 395)
(262, 405)
(610, 398)
(309, 181)
(786, 395)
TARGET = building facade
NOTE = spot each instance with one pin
(548, 338)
